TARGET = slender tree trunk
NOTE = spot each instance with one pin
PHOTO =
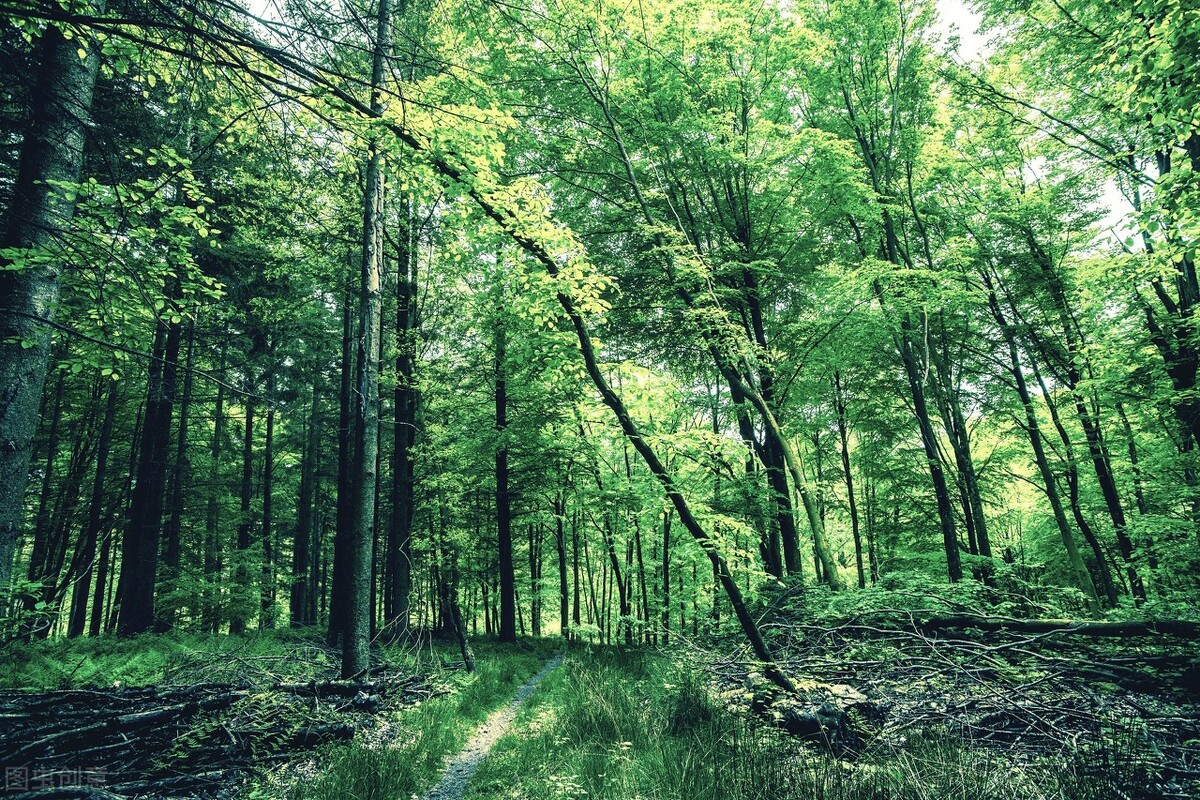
(1102, 574)
(339, 592)
(560, 546)
(302, 541)
(576, 616)
(179, 477)
(929, 440)
(39, 558)
(355, 645)
(240, 607)
(92, 531)
(266, 587)
(1088, 413)
(139, 557)
(39, 219)
(843, 435)
(213, 544)
(960, 443)
(508, 630)
(666, 578)
(406, 402)
(1074, 559)
(535, 559)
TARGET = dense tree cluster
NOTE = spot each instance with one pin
(602, 320)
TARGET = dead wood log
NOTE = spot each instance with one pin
(1183, 629)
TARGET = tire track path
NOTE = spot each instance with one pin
(461, 766)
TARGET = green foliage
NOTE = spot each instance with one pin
(625, 725)
(420, 737)
(139, 661)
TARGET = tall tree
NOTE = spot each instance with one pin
(32, 255)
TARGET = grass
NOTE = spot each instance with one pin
(412, 758)
(634, 726)
(394, 766)
(146, 659)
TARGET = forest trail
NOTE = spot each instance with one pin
(461, 766)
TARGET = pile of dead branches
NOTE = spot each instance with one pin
(184, 740)
(1035, 688)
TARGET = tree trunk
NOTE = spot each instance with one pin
(139, 555)
(843, 435)
(213, 545)
(1074, 559)
(339, 591)
(38, 568)
(303, 573)
(266, 587)
(82, 589)
(240, 606)
(406, 402)
(355, 644)
(560, 546)
(39, 218)
(508, 622)
(179, 477)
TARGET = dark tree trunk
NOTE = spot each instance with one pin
(300, 605)
(535, 580)
(339, 592)
(407, 401)
(266, 589)
(179, 477)
(39, 218)
(844, 436)
(39, 558)
(1082, 577)
(560, 547)
(933, 459)
(91, 533)
(950, 407)
(1073, 374)
(666, 578)
(576, 616)
(508, 583)
(139, 556)
(240, 607)
(213, 544)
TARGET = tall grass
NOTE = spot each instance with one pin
(409, 759)
(635, 727)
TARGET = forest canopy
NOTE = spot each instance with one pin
(612, 321)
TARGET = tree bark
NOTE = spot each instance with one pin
(1074, 559)
(39, 219)
(240, 608)
(213, 545)
(843, 435)
(139, 555)
(266, 587)
(560, 546)
(355, 644)
(303, 582)
(179, 476)
(406, 404)
(91, 533)
(339, 592)
(508, 582)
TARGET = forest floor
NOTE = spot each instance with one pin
(890, 706)
(460, 767)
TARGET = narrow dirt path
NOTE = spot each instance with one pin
(460, 767)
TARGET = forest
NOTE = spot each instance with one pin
(708, 399)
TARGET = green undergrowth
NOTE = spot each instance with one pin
(638, 726)
(155, 659)
(409, 758)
